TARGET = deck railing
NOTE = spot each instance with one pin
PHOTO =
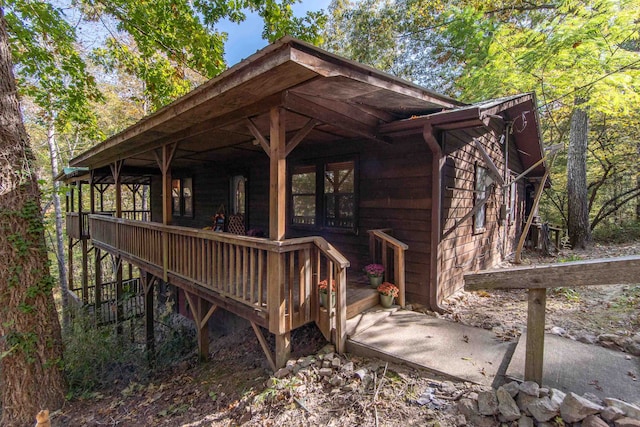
(389, 251)
(276, 278)
(78, 223)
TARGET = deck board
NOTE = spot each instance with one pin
(360, 296)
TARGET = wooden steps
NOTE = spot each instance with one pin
(360, 297)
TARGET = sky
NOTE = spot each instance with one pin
(246, 38)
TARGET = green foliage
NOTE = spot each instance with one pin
(611, 232)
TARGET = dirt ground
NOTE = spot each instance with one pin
(236, 388)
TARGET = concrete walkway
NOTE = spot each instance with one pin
(465, 353)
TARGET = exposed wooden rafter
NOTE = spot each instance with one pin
(307, 107)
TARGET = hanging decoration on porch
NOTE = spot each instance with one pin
(218, 219)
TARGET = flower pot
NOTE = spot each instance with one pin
(375, 281)
(324, 299)
(386, 300)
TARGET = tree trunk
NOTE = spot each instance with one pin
(578, 211)
(638, 182)
(62, 266)
(30, 369)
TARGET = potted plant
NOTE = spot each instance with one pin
(388, 292)
(375, 272)
(323, 290)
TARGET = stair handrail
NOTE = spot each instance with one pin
(399, 249)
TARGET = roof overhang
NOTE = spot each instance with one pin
(351, 99)
(519, 110)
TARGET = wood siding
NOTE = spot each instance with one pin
(394, 192)
(463, 250)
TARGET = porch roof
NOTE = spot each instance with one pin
(344, 98)
(520, 110)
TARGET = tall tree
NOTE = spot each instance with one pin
(30, 367)
(561, 49)
(578, 226)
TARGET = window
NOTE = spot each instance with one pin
(238, 195)
(182, 197)
(482, 181)
(339, 195)
(303, 194)
(323, 195)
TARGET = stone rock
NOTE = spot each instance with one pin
(326, 363)
(626, 422)
(448, 387)
(512, 388)
(507, 406)
(523, 400)
(329, 356)
(530, 387)
(557, 330)
(282, 372)
(350, 387)
(525, 421)
(545, 424)
(336, 362)
(487, 402)
(611, 413)
(628, 409)
(482, 421)
(543, 409)
(460, 420)
(575, 408)
(325, 372)
(608, 337)
(347, 368)
(594, 421)
(557, 397)
(543, 392)
(587, 338)
(592, 397)
(468, 407)
(633, 347)
(307, 361)
(336, 381)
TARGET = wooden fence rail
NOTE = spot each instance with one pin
(382, 246)
(276, 278)
(537, 279)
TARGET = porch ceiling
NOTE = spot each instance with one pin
(346, 100)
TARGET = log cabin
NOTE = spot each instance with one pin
(296, 166)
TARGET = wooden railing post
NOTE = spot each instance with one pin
(341, 309)
(534, 354)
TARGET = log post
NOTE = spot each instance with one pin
(148, 282)
(533, 362)
(277, 212)
(116, 168)
(98, 285)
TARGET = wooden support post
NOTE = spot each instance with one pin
(85, 271)
(116, 168)
(341, 311)
(98, 285)
(201, 309)
(203, 329)
(277, 211)
(164, 162)
(70, 264)
(399, 269)
(535, 335)
(534, 209)
(283, 349)
(119, 302)
(148, 281)
(264, 345)
(277, 175)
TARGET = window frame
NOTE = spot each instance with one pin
(480, 190)
(320, 166)
(183, 207)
